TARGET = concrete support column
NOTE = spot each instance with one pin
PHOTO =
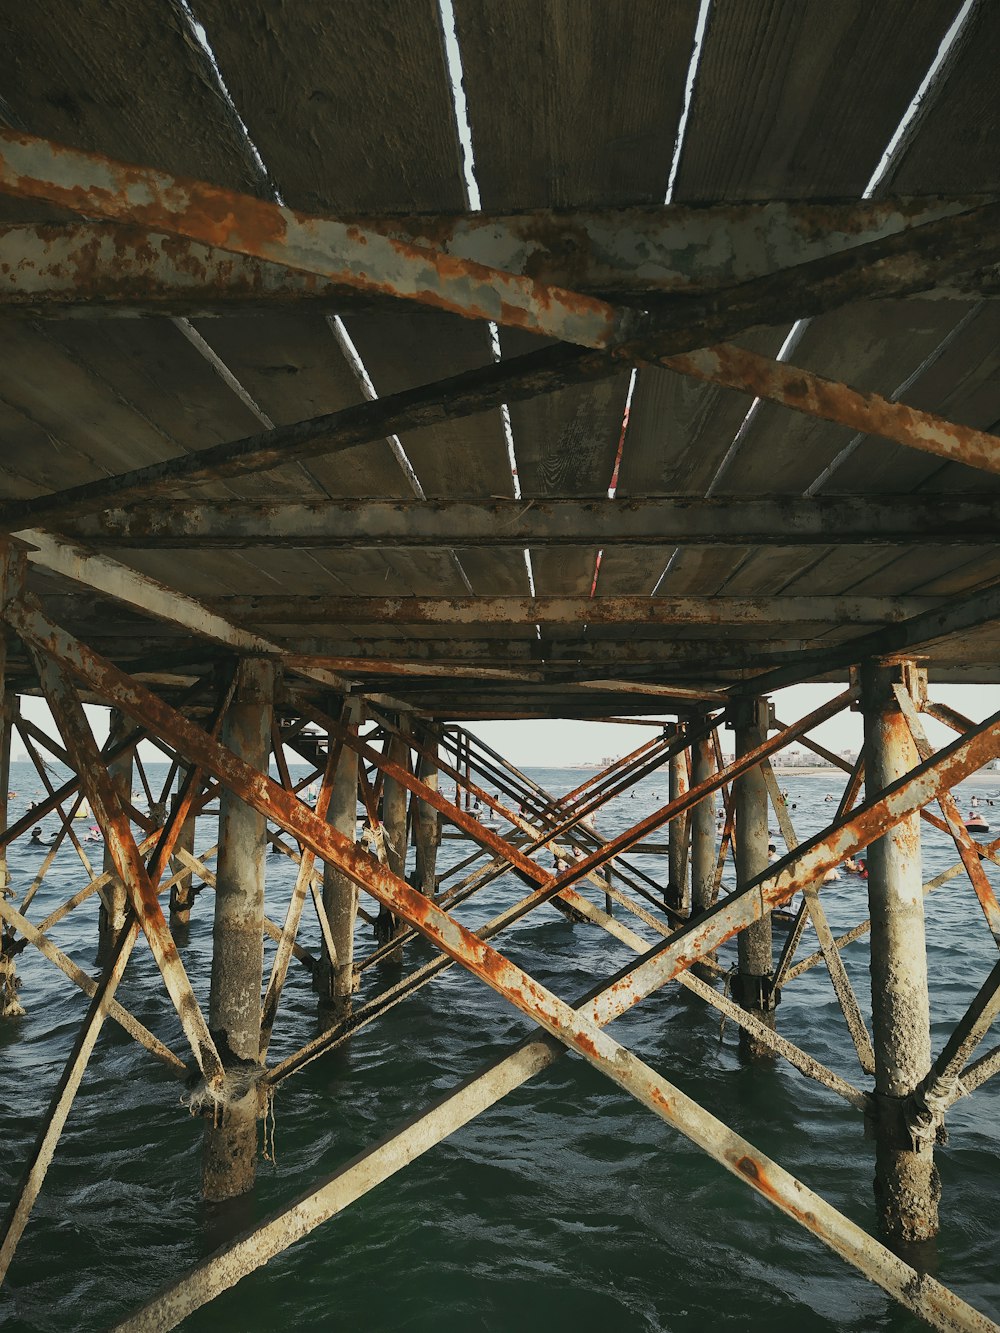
(229, 1165)
(753, 987)
(182, 893)
(677, 829)
(10, 1005)
(703, 854)
(907, 1187)
(427, 827)
(394, 823)
(340, 895)
(114, 899)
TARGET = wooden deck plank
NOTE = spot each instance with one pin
(800, 100)
(915, 569)
(351, 109)
(293, 369)
(495, 571)
(873, 347)
(833, 569)
(568, 572)
(956, 146)
(112, 77)
(697, 570)
(574, 102)
(680, 430)
(348, 104)
(763, 572)
(455, 458)
(149, 364)
(964, 386)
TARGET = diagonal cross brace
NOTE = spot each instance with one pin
(106, 805)
(580, 1032)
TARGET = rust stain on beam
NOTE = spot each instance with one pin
(662, 522)
(278, 609)
(344, 253)
(630, 254)
(870, 413)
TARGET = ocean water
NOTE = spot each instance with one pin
(566, 1206)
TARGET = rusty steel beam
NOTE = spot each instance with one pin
(365, 259)
(51, 552)
(870, 413)
(346, 654)
(909, 261)
(105, 268)
(90, 269)
(347, 254)
(279, 608)
(661, 522)
(951, 616)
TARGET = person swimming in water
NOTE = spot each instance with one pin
(36, 838)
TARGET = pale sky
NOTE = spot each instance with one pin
(552, 744)
(545, 744)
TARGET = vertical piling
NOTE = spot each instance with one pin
(703, 832)
(753, 987)
(907, 1186)
(677, 830)
(182, 892)
(427, 826)
(340, 894)
(10, 1005)
(230, 1158)
(394, 824)
(114, 899)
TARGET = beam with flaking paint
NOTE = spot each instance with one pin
(145, 594)
(663, 521)
(101, 268)
(786, 610)
(893, 265)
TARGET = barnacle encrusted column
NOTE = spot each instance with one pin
(340, 894)
(10, 1005)
(114, 898)
(753, 986)
(677, 830)
(394, 797)
(183, 892)
(427, 825)
(703, 830)
(907, 1187)
(229, 1165)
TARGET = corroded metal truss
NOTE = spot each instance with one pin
(606, 317)
(538, 821)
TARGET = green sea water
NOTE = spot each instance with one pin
(567, 1206)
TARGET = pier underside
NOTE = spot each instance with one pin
(370, 372)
